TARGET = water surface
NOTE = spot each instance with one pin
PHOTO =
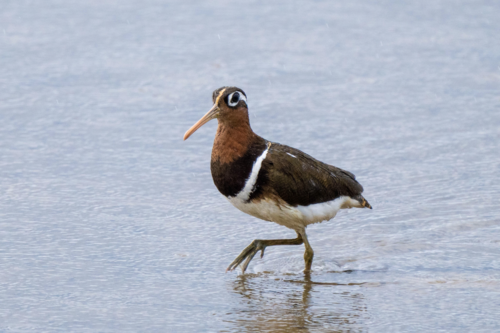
(110, 223)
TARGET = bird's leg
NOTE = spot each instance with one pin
(309, 254)
(260, 245)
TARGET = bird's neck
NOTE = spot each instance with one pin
(232, 140)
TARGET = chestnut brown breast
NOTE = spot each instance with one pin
(233, 156)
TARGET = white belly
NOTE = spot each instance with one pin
(295, 218)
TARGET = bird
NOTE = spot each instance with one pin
(272, 181)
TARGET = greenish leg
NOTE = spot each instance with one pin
(260, 245)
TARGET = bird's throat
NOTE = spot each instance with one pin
(232, 141)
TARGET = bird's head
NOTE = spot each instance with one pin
(230, 105)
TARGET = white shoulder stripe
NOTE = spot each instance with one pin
(245, 193)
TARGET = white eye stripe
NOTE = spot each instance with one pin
(241, 97)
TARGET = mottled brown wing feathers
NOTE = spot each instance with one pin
(300, 179)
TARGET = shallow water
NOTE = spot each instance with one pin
(110, 223)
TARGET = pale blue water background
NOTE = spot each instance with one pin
(110, 223)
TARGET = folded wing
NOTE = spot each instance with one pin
(300, 179)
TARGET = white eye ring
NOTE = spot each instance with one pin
(240, 98)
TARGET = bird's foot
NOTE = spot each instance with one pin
(248, 253)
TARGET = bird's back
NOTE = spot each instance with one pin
(300, 179)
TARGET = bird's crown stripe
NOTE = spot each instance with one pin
(220, 95)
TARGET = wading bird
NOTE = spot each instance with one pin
(270, 181)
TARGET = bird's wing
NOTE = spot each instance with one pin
(300, 179)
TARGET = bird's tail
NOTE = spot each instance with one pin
(363, 202)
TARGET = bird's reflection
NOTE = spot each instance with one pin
(297, 304)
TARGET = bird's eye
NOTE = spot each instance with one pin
(234, 98)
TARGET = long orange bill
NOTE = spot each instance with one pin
(213, 113)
